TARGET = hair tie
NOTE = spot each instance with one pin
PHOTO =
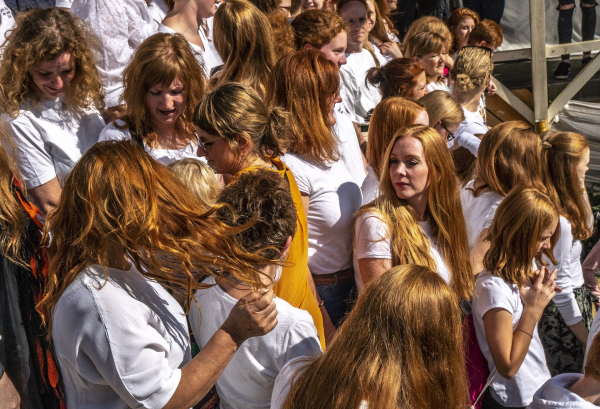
(547, 145)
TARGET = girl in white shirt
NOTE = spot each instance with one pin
(389, 352)
(390, 115)
(417, 218)
(163, 84)
(429, 50)
(186, 18)
(306, 84)
(120, 336)
(565, 323)
(50, 95)
(509, 155)
(510, 297)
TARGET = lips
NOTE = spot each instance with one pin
(167, 113)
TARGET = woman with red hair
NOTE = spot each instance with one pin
(306, 84)
(401, 77)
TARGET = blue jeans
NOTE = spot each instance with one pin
(338, 299)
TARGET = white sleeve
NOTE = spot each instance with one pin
(494, 293)
(470, 142)
(489, 218)
(35, 162)
(299, 172)
(371, 238)
(302, 338)
(64, 3)
(565, 300)
(112, 133)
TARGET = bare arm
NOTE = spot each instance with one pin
(478, 253)
(46, 196)
(580, 332)
(253, 315)
(371, 268)
(8, 393)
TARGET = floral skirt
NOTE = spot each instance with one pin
(564, 353)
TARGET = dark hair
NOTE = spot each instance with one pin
(397, 78)
(262, 197)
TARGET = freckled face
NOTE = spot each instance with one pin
(408, 170)
(53, 77)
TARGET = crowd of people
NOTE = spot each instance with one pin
(282, 204)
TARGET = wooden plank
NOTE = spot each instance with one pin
(502, 110)
(574, 86)
(524, 95)
(514, 101)
(560, 49)
(537, 18)
(512, 55)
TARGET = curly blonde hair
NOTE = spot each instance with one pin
(43, 35)
(472, 69)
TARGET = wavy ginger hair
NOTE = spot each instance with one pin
(159, 60)
(316, 27)
(305, 84)
(518, 224)
(117, 194)
(454, 20)
(409, 244)
(42, 35)
(389, 115)
(509, 155)
(397, 78)
(389, 352)
(243, 38)
(561, 153)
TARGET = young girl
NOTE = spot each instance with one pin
(163, 84)
(429, 50)
(461, 22)
(378, 35)
(565, 323)
(401, 77)
(417, 218)
(510, 297)
(50, 95)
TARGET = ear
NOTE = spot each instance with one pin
(286, 248)
(481, 43)
(307, 47)
(242, 142)
(415, 58)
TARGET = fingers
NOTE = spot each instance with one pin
(259, 301)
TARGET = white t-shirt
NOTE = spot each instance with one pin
(120, 342)
(357, 97)
(334, 197)
(121, 26)
(349, 147)
(158, 10)
(567, 253)
(556, 394)
(370, 187)
(7, 21)
(493, 292)
(206, 58)
(472, 124)
(164, 156)
(247, 381)
(372, 240)
(284, 381)
(478, 211)
(51, 140)
(439, 86)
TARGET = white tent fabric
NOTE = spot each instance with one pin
(584, 118)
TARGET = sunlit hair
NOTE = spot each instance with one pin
(234, 110)
(389, 115)
(199, 178)
(118, 195)
(428, 24)
(488, 31)
(12, 214)
(442, 107)
(409, 244)
(243, 39)
(397, 78)
(282, 34)
(389, 352)
(518, 225)
(384, 9)
(42, 35)
(472, 69)
(425, 43)
(592, 362)
(509, 155)
(456, 17)
(161, 59)
(267, 6)
(561, 153)
(305, 84)
(378, 32)
(316, 27)
(262, 198)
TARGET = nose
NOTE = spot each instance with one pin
(426, 91)
(338, 99)
(401, 169)
(167, 102)
(57, 82)
(201, 152)
(342, 60)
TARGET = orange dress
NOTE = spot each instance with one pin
(293, 285)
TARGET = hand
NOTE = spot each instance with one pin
(10, 396)
(114, 113)
(491, 89)
(542, 290)
(254, 315)
(390, 48)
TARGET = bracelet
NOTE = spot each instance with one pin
(322, 303)
(522, 330)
